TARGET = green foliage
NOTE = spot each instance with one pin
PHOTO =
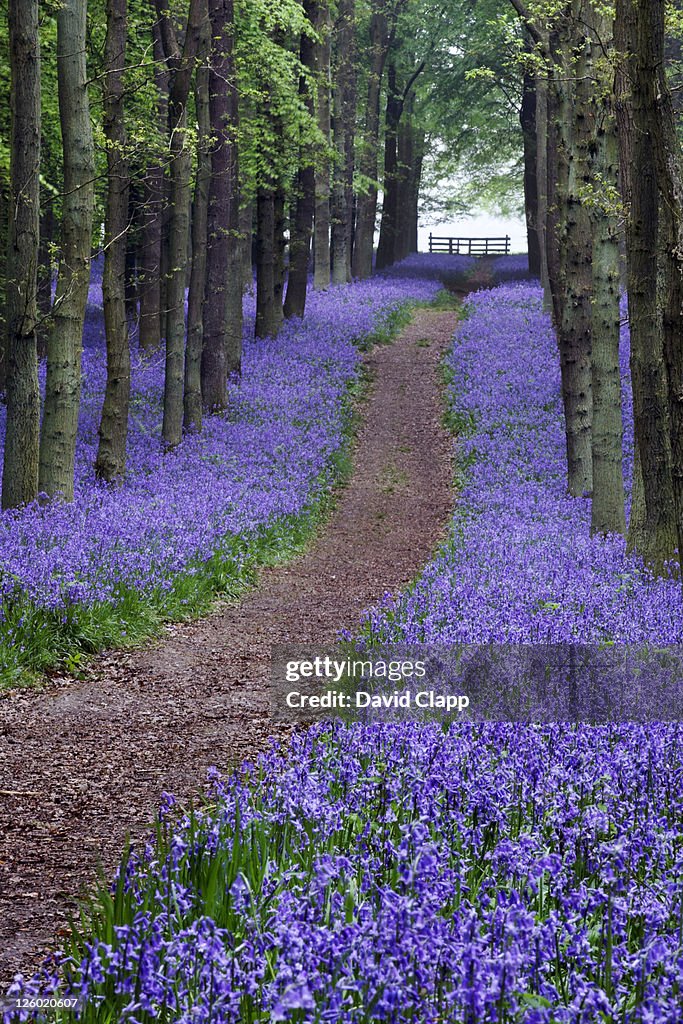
(469, 105)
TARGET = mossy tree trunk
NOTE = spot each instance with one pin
(321, 239)
(20, 472)
(111, 452)
(652, 526)
(344, 98)
(197, 292)
(304, 198)
(180, 63)
(223, 302)
(65, 341)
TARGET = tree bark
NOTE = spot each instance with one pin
(267, 320)
(574, 322)
(669, 162)
(321, 238)
(652, 526)
(546, 168)
(279, 250)
(111, 453)
(305, 190)
(366, 207)
(246, 246)
(527, 117)
(48, 227)
(344, 142)
(65, 342)
(151, 273)
(181, 66)
(20, 474)
(407, 185)
(607, 507)
(192, 394)
(223, 304)
(387, 234)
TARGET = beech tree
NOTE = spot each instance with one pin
(344, 102)
(321, 239)
(652, 528)
(180, 63)
(382, 30)
(197, 291)
(111, 452)
(20, 470)
(222, 345)
(304, 198)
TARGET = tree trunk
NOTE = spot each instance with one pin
(415, 182)
(527, 117)
(546, 179)
(111, 453)
(321, 239)
(669, 161)
(344, 142)
(279, 247)
(47, 238)
(151, 273)
(366, 208)
(304, 192)
(20, 475)
(181, 65)
(575, 254)
(246, 246)
(267, 321)
(387, 235)
(132, 253)
(607, 509)
(4, 237)
(65, 342)
(407, 190)
(192, 394)
(652, 526)
(223, 304)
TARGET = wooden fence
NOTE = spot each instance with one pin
(469, 246)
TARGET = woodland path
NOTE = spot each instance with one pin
(84, 762)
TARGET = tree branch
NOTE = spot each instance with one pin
(529, 24)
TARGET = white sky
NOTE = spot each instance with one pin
(482, 225)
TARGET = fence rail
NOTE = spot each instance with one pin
(469, 246)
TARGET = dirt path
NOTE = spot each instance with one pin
(81, 763)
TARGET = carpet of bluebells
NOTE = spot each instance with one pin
(469, 873)
(270, 459)
(405, 873)
(521, 566)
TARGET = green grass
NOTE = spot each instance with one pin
(45, 641)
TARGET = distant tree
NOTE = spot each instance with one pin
(383, 23)
(344, 102)
(20, 473)
(321, 238)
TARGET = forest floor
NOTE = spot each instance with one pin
(89, 759)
